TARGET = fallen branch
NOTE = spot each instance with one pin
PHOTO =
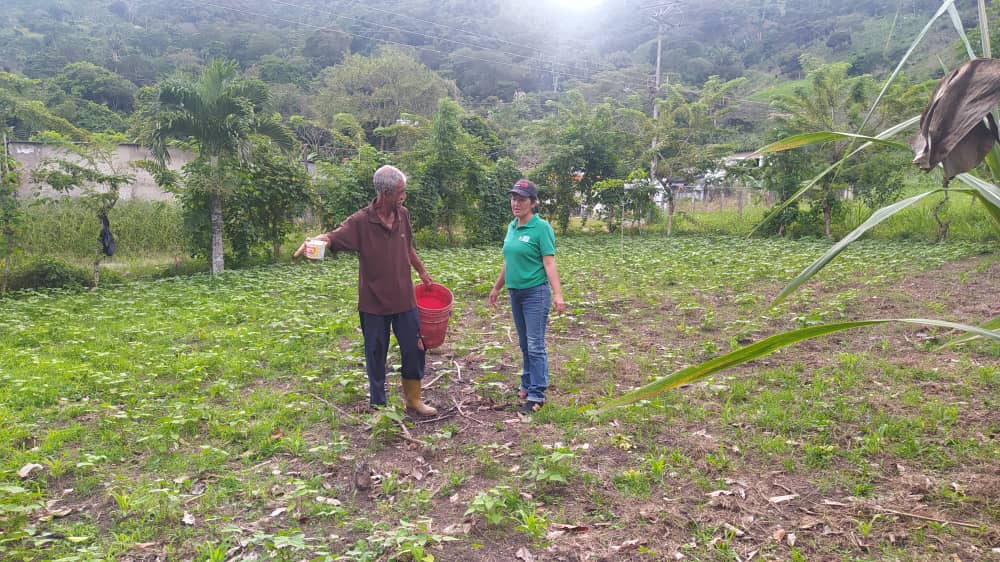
(458, 369)
(462, 412)
(434, 380)
(924, 517)
(406, 435)
(432, 420)
(335, 407)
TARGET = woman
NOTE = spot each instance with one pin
(529, 271)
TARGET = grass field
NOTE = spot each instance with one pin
(223, 418)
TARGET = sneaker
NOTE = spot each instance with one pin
(530, 407)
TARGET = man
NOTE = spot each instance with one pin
(383, 239)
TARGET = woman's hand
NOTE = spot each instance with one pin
(559, 303)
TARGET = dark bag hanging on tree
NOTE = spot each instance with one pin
(106, 239)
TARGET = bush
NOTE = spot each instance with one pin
(141, 228)
(49, 273)
(427, 239)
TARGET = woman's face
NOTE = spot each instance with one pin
(520, 205)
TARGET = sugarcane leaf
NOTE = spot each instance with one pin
(992, 325)
(956, 22)
(806, 139)
(986, 192)
(766, 347)
(877, 217)
(920, 36)
(993, 162)
(984, 30)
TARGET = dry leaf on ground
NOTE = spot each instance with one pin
(27, 469)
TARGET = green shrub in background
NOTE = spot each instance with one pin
(427, 239)
(66, 228)
(49, 273)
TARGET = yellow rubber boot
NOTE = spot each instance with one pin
(411, 392)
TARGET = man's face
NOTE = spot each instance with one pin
(396, 198)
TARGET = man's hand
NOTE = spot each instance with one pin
(302, 248)
(425, 278)
(559, 304)
(494, 294)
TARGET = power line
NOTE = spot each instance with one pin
(598, 66)
(627, 85)
(430, 36)
(417, 47)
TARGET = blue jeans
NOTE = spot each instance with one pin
(375, 328)
(531, 314)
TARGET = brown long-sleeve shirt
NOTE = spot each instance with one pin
(384, 282)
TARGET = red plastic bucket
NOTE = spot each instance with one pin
(434, 305)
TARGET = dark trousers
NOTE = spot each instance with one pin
(406, 327)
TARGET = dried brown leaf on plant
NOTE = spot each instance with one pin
(952, 131)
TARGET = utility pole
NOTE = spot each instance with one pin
(659, 13)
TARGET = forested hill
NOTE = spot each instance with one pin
(488, 47)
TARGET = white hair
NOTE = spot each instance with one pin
(388, 179)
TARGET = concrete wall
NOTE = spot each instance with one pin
(31, 154)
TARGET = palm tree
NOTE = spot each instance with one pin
(220, 112)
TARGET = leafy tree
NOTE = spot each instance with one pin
(831, 100)
(221, 113)
(99, 85)
(488, 211)
(583, 147)
(345, 188)
(480, 128)
(449, 164)
(783, 174)
(617, 200)
(686, 135)
(19, 110)
(274, 190)
(90, 168)
(326, 48)
(378, 89)
(10, 215)
(87, 114)
(283, 70)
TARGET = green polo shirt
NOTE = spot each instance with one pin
(523, 248)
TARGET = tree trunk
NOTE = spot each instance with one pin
(671, 206)
(97, 266)
(276, 251)
(9, 235)
(827, 216)
(942, 225)
(215, 208)
(739, 204)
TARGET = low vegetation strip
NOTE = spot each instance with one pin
(222, 418)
